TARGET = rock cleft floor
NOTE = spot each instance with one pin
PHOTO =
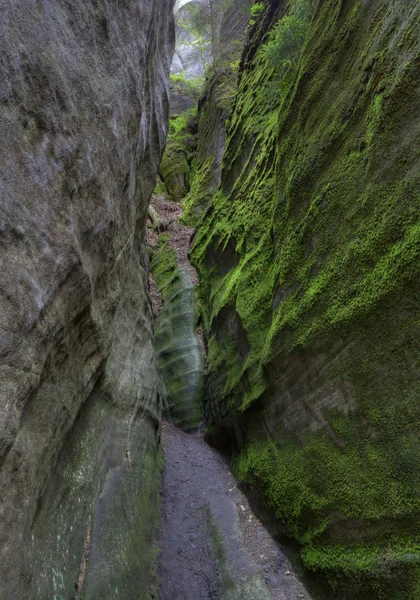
(212, 547)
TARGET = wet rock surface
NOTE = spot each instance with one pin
(178, 340)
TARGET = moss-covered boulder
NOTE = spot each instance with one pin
(309, 260)
(175, 169)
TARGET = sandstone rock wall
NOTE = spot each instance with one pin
(214, 107)
(204, 73)
(83, 118)
(178, 352)
(308, 256)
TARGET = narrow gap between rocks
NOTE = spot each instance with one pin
(211, 545)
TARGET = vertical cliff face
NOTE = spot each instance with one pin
(308, 257)
(214, 107)
(178, 349)
(83, 113)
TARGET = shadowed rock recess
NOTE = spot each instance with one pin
(83, 119)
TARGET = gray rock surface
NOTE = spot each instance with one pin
(83, 112)
(212, 545)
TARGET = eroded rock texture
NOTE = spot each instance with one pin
(83, 118)
(214, 107)
(179, 355)
(309, 256)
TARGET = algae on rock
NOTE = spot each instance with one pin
(179, 355)
(309, 259)
(180, 147)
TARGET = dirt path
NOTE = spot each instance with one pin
(212, 546)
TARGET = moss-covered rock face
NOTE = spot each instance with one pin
(214, 107)
(309, 258)
(187, 169)
(181, 143)
(213, 110)
(178, 351)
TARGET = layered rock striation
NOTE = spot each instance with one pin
(308, 256)
(213, 109)
(83, 118)
(179, 354)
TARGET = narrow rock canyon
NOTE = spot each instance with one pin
(209, 300)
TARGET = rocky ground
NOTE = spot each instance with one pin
(211, 544)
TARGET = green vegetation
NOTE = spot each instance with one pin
(189, 87)
(205, 172)
(256, 11)
(180, 149)
(179, 354)
(226, 33)
(179, 126)
(203, 27)
(283, 48)
(203, 24)
(309, 258)
(256, 117)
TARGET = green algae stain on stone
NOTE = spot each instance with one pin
(180, 146)
(309, 258)
(178, 351)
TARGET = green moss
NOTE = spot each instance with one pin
(178, 351)
(214, 107)
(194, 205)
(353, 510)
(243, 285)
(309, 253)
(160, 188)
(256, 10)
(164, 264)
(188, 87)
(179, 124)
(180, 147)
